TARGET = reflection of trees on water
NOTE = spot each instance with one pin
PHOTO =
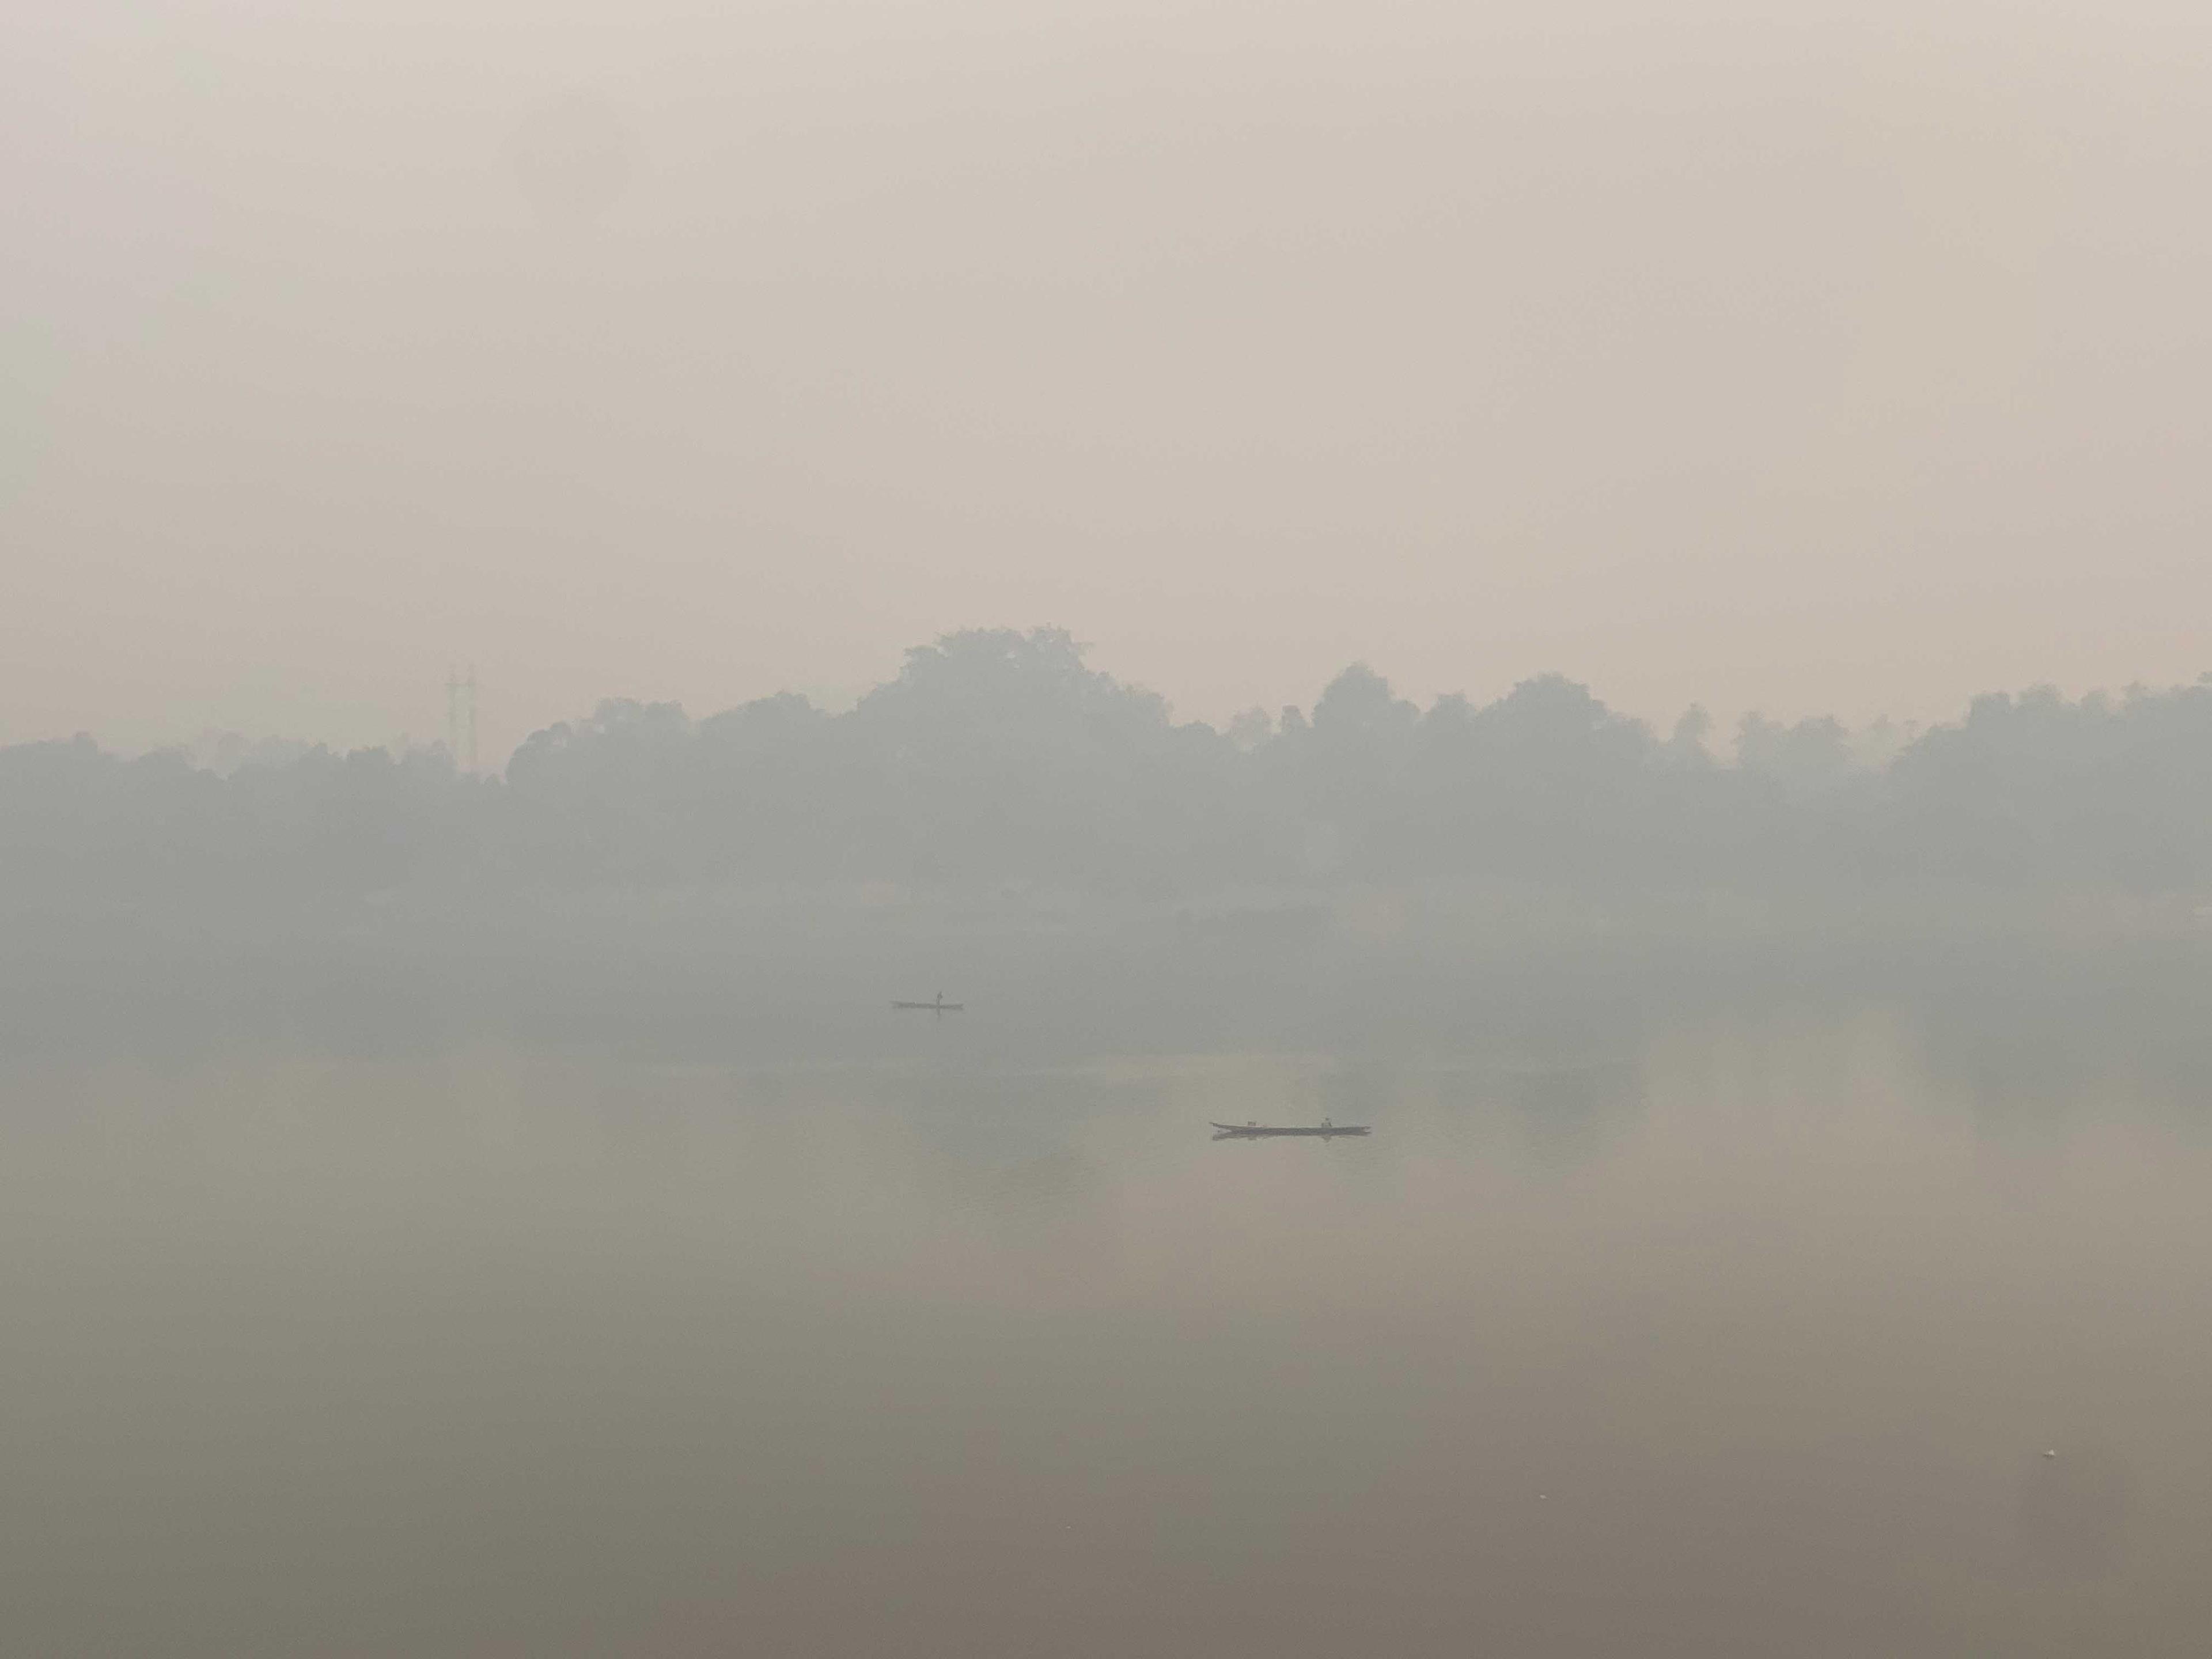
(1552, 1116)
(1002, 1154)
(2037, 1039)
(1567, 1116)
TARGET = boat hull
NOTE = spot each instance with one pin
(1259, 1131)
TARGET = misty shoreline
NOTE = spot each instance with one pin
(796, 977)
(999, 762)
(1006, 824)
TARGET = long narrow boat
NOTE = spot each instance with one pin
(1255, 1131)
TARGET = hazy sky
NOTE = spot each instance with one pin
(1839, 355)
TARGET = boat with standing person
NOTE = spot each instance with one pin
(939, 1006)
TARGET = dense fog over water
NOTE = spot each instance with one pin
(1255, 831)
(1836, 1326)
(450, 1214)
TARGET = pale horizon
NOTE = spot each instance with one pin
(501, 727)
(1845, 364)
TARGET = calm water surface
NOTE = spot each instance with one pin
(1730, 1337)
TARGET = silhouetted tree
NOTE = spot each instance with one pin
(997, 755)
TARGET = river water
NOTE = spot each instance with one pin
(1797, 1333)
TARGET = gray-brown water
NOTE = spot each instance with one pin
(1735, 1335)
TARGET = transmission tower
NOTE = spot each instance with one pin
(454, 715)
(472, 720)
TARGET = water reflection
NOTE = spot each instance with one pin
(1712, 1331)
(1565, 1116)
(2073, 1508)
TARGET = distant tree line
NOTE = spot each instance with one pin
(997, 757)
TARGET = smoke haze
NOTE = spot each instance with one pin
(1608, 596)
(1839, 360)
